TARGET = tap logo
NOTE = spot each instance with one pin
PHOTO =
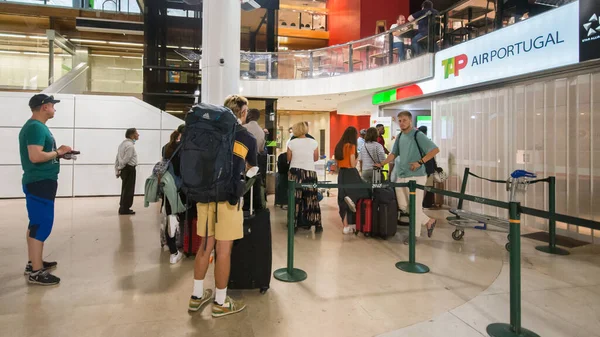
(454, 64)
(592, 27)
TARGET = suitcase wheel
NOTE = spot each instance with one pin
(264, 290)
(367, 235)
(507, 246)
(458, 234)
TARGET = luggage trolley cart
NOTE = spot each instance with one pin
(516, 185)
(321, 169)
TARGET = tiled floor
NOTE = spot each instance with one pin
(116, 281)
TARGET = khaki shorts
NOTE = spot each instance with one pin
(231, 221)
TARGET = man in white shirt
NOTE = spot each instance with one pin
(125, 164)
(398, 41)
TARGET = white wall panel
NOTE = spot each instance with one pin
(106, 112)
(101, 124)
(100, 146)
(404, 72)
(92, 180)
(9, 143)
(65, 112)
(13, 187)
(15, 109)
(170, 122)
(65, 179)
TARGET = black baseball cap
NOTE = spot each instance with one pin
(41, 99)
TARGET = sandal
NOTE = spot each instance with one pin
(430, 230)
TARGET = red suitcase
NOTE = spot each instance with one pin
(364, 217)
(191, 240)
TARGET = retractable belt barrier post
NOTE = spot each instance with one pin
(551, 248)
(291, 274)
(513, 329)
(411, 266)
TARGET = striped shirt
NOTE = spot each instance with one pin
(372, 153)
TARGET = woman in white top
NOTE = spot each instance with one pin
(371, 154)
(302, 153)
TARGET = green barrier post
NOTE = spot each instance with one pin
(513, 329)
(412, 266)
(291, 274)
(551, 248)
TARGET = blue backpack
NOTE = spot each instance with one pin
(207, 154)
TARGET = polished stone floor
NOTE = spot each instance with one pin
(117, 281)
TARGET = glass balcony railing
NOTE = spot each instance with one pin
(121, 6)
(404, 42)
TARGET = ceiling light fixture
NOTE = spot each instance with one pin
(101, 55)
(9, 52)
(88, 41)
(133, 57)
(37, 37)
(36, 54)
(13, 35)
(127, 44)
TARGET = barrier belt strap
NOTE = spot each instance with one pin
(490, 180)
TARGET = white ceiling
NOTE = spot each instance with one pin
(322, 102)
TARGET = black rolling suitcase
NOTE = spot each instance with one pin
(251, 256)
(385, 211)
(281, 190)
(281, 182)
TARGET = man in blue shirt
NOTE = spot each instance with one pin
(412, 149)
(361, 140)
(427, 6)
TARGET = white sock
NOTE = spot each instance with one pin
(220, 296)
(198, 288)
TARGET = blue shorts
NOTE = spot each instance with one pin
(40, 197)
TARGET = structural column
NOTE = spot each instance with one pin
(221, 31)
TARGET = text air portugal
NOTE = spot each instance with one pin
(455, 64)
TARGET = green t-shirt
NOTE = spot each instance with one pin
(406, 151)
(35, 132)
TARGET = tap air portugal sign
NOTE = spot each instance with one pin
(549, 40)
(542, 42)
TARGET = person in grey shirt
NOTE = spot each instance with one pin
(125, 164)
(255, 129)
(372, 153)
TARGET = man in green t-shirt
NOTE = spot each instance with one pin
(40, 162)
(412, 149)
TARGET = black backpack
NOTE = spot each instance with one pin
(207, 154)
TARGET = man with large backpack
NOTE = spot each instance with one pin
(412, 149)
(216, 152)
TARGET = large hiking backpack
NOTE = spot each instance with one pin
(207, 153)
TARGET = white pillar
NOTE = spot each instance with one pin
(221, 30)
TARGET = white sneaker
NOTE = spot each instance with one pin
(350, 204)
(173, 224)
(348, 230)
(176, 257)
